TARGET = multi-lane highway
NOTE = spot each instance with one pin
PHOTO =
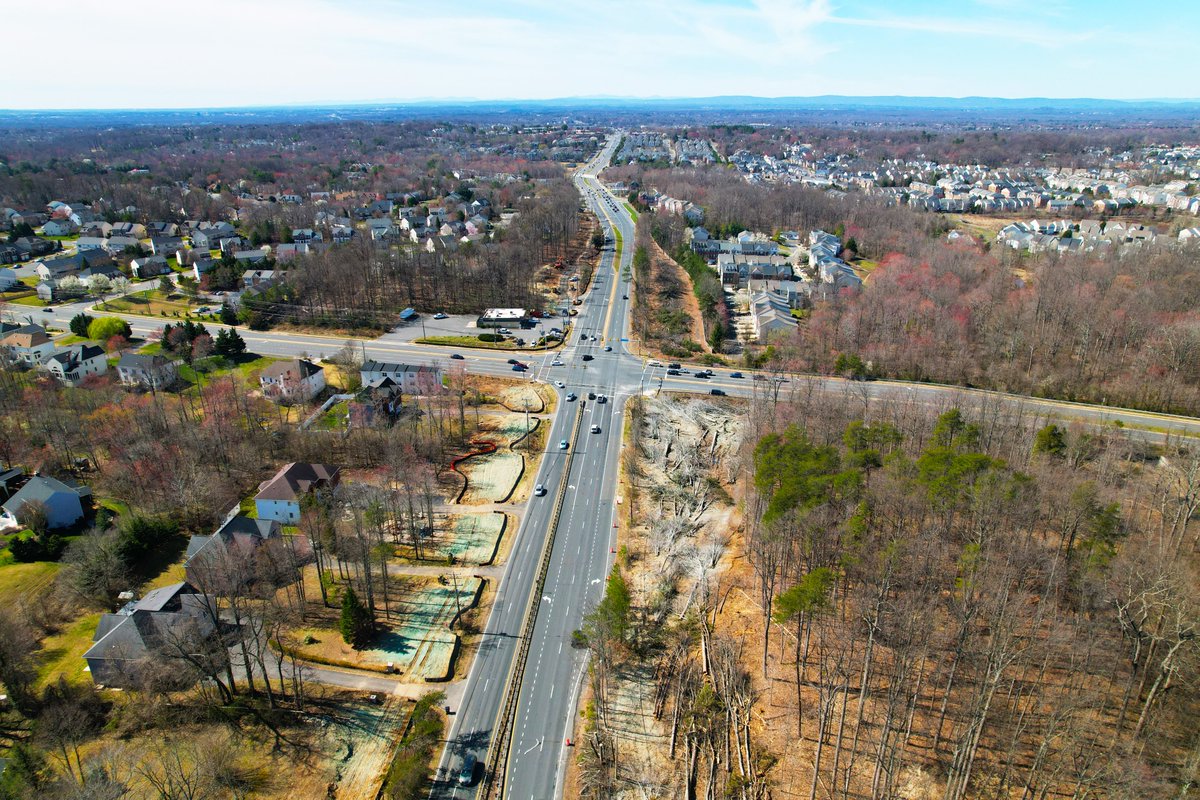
(581, 553)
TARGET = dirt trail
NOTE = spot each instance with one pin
(370, 742)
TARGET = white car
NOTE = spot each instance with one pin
(563, 445)
(539, 490)
(556, 363)
(595, 429)
(560, 384)
(440, 315)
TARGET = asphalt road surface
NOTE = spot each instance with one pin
(581, 556)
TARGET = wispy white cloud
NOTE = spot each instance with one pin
(1024, 32)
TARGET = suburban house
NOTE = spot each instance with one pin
(135, 229)
(771, 315)
(8, 279)
(59, 227)
(150, 372)
(165, 245)
(117, 245)
(298, 380)
(411, 380)
(84, 243)
(27, 343)
(72, 365)
(149, 266)
(279, 498)
(168, 618)
(62, 502)
(239, 537)
(61, 266)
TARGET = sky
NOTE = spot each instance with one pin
(155, 54)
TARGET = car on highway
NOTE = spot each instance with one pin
(466, 770)
(736, 375)
(440, 315)
(572, 397)
(672, 372)
(702, 374)
(562, 445)
(624, 297)
(608, 348)
(513, 361)
(457, 356)
(587, 357)
(654, 364)
(504, 332)
(595, 429)
(519, 368)
(718, 392)
(556, 363)
(673, 365)
(539, 490)
(48, 310)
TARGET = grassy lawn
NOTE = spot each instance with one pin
(245, 366)
(619, 244)
(151, 304)
(632, 211)
(23, 580)
(334, 419)
(62, 652)
(467, 341)
(29, 300)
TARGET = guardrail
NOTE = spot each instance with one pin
(496, 768)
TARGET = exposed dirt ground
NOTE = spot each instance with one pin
(680, 546)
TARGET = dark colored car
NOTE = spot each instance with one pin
(591, 395)
(718, 392)
(519, 368)
(513, 361)
(673, 365)
(736, 375)
(586, 357)
(672, 372)
(456, 356)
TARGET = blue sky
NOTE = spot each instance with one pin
(142, 54)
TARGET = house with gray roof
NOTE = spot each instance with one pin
(279, 498)
(74, 364)
(147, 372)
(62, 502)
(166, 619)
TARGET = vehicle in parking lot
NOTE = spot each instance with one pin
(595, 429)
(539, 490)
(591, 395)
(602, 398)
(440, 315)
(736, 375)
(560, 384)
(456, 356)
(562, 445)
(572, 397)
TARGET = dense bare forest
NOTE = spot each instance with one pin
(953, 605)
(360, 285)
